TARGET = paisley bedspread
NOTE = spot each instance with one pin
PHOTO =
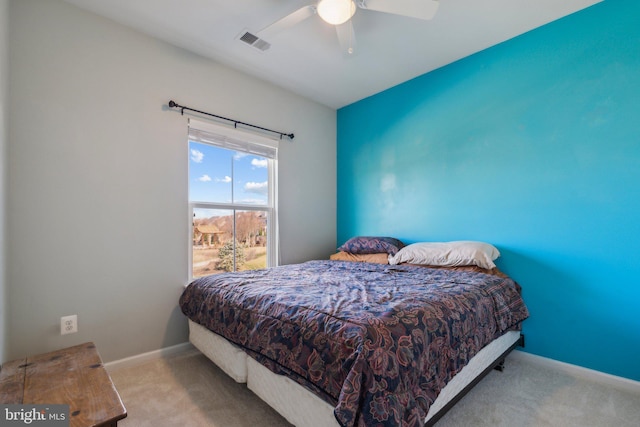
(377, 341)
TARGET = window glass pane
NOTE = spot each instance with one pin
(251, 233)
(212, 230)
(210, 173)
(250, 179)
(214, 248)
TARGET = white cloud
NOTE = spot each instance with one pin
(197, 155)
(225, 179)
(204, 178)
(257, 187)
(259, 163)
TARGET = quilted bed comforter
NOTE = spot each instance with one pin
(377, 341)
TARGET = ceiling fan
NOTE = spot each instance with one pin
(339, 14)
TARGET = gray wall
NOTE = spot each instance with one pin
(97, 177)
(4, 33)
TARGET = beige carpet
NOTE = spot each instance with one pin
(187, 390)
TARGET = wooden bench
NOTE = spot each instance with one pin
(72, 376)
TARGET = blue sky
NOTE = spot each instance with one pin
(211, 175)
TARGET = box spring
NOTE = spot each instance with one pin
(301, 407)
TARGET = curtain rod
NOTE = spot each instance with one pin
(173, 104)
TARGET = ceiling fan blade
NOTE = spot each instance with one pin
(421, 9)
(288, 21)
(347, 38)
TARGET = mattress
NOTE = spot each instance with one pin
(300, 406)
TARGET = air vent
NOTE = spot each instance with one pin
(254, 41)
(249, 38)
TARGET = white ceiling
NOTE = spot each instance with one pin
(306, 58)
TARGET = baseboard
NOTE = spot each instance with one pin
(609, 380)
(151, 355)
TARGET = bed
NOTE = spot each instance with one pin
(339, 343)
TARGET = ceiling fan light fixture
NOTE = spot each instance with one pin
(336, 12)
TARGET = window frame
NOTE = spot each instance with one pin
(255, 144)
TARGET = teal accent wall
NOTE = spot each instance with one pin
(532, 145)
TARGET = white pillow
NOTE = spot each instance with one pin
(451, 254)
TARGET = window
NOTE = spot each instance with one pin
(232, 192)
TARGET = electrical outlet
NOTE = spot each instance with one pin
(69, 324)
